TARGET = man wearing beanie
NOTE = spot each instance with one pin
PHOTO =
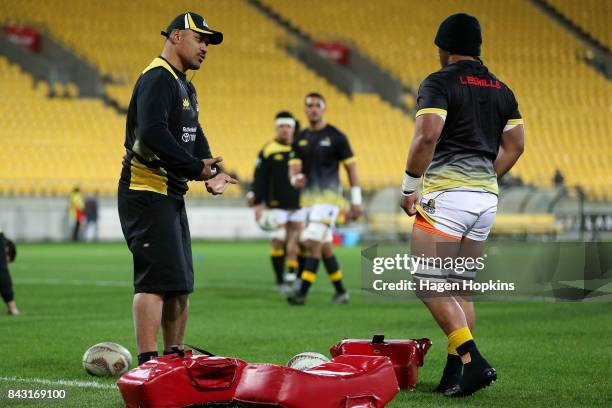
(468, 134)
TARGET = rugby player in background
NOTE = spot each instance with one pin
(319, 150)
(273, 191)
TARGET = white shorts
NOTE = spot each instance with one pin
(321, 223)
(458, 213)
(284, 216)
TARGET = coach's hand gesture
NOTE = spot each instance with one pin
(409, 203)
(217, 184)
(209, 171)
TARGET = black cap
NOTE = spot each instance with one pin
(460, 34)
(195, 22)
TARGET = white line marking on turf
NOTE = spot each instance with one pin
(67, 383)
(255, 287)
(252, 287)
(74, 282)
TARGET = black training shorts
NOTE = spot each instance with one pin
(157, 233)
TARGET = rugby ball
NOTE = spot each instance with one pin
(304, 361)
(106, 360)
(267, 221)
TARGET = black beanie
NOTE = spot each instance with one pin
(460, 34)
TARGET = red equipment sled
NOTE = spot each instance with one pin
(344, 382)
(181, 380)
(406, 355)
(185, 380)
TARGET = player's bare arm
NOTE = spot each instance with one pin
(427, 132)
(297, 178)
(511, 148)
(356, 200)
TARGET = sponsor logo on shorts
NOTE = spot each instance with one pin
(430, 206)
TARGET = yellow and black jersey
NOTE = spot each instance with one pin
(477, 107)
(164, 141)
(321, 153)
(271, 183)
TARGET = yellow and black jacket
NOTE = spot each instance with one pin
(164, 141)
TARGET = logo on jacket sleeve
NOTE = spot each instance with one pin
(185, 103)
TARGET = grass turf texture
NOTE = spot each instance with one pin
(73, 296)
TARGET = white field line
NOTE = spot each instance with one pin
(256, 287)
(72, 282)
(66, 383)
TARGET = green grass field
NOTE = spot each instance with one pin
(73, 296)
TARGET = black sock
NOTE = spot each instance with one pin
(333, 270)
(470, 347)
(278, 264)
(146, 356)
(308, 275)
(301, 261)
(453, 366)
(173, 350)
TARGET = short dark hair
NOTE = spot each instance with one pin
(316, 95)
(11, 250)
(287, 114)
(284, 114)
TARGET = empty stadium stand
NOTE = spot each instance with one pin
(565, 103)
(51, 145)
(247, 79)
(243, 83)
(593, 16)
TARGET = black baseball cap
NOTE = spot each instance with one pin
(195, 22)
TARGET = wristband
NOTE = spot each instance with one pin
(356, 195)
(409, 185)
(214, 170)
(294, 179)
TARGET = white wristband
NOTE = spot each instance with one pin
(356, 195)
(294, 179)
(409, 185)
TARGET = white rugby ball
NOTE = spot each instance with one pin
(106, 360)
(304, 361)
(267, 221)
